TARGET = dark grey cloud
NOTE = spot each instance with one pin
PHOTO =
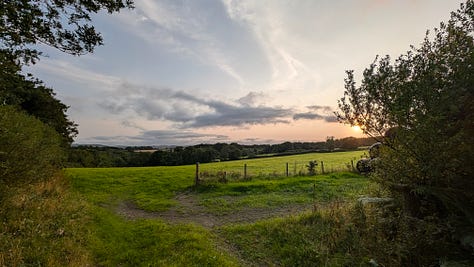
(320, 108)
(159, 137)
(307, 116)
(317, 113)
(190, 111)
(131, 124)
(233, 115)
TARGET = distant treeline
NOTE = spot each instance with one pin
(103, 156)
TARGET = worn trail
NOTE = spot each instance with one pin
(189, 210)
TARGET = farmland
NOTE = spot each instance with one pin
(157, 216)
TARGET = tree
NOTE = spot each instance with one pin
(330, 143)
(62, 24)
(426, 97)
(34, 98)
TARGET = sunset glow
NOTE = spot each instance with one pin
(190, 72)
(356, 128)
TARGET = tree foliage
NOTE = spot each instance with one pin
(426, 97)
(34, 98)
(62, 24)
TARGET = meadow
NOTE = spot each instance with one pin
(157, 215)
(276, 166)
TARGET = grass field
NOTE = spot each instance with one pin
(156, 216)
(276, 166)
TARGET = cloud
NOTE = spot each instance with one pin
(158, 137)
(192, 111)
(272, 24)
(188, 29)
(131, 124)
(251, 98)
(307, 116)
(323, 108)
(315, 114)
(72, 73)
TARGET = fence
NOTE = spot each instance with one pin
(246, 171)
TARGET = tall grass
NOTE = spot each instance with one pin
(43, 224)
(340, 234)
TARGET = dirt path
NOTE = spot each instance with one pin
(188, 210)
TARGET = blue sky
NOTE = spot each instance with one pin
(205, 71)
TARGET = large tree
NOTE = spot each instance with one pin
(33, 97)
(62, 24)
(423, 103)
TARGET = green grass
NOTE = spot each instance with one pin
(314, 239)
(276, 166)
(151, 188)
(235, 196)
(43, 224)
(115, 241)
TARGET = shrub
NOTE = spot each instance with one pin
(29, 150)
(312, 164)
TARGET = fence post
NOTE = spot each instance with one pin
(245, 171)
(295, 169)
(196, 181)
(352, 164)
(322, 167)
(287, 170)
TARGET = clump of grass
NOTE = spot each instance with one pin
(42, 224)
(322, 238)
(342, 234)
(235, 196)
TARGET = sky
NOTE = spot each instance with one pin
(184, 72)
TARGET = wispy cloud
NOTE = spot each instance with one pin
(185, 28)
(271, 26)
(67, 71)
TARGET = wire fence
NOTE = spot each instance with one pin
(246, 171)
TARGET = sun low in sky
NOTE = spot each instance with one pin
(206, 71)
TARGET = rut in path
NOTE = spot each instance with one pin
(188, 210)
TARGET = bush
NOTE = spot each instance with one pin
(29, 150)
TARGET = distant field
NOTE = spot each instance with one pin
(335, 161)
(156, 216)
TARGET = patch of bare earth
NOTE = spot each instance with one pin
(188, 210)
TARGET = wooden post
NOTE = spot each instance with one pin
(196, 181)
(294, 173)
(322, 167)
(352, 164)
(287, 170)
(314, 197)
(245, 171)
